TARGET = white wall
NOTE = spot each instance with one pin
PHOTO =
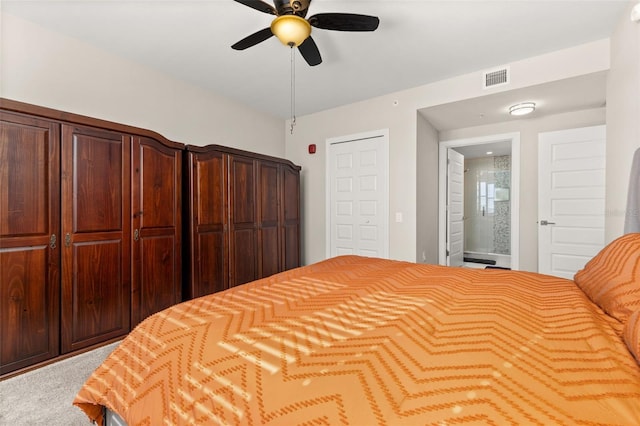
(529, 129)
(427, 210)
(623, 120)
(49, 69)
(46, 68)
(397, 112)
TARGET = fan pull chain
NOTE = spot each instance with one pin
(293, 89)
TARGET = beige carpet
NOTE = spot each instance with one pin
(45, 396)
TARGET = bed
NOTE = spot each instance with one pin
(366, 341)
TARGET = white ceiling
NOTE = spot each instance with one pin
(494, 149)
(572, 94)
(417, 42)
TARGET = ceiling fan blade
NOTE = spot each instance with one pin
(259, 5)
(253, 39)
(344, 22)
(309, 51)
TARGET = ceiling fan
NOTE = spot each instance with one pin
(292, 29)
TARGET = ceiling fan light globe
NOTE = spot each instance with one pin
(291, 30)
(635, 13)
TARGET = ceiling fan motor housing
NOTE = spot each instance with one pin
(300, 4)
(292, 7)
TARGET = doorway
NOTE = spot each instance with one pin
(490, 222)
(358, 195)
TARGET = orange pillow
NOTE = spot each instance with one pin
(612, 278)
(631, 334)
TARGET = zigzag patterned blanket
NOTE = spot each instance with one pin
(359, 341)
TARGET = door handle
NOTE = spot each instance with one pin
(546, 222)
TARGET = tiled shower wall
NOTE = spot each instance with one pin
(502, 218)
(487, 222)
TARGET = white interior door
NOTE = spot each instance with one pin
(358, 195)
(455, 208)
(571, 178)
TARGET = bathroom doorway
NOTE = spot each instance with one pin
(490, 220)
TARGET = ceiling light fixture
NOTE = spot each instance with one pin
(522, 109)
(291, 30)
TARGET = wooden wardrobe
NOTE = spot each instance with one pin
(90, 231)
(243, 217)
(92, 234)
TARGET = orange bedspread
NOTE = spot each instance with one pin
(362, 341)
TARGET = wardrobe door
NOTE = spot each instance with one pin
(242, 222)
(156, 264)
(95, 240)
(207, 215)
(268, 219)
(290, 200)
(29, 241)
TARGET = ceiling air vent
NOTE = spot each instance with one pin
(496, 77)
